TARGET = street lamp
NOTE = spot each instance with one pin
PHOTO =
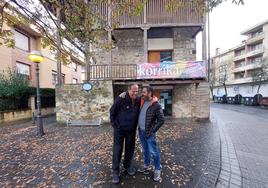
(37, 57)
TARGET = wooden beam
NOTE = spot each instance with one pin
(133, 26)
(154, 82)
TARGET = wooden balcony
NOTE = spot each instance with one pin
(155, 14)
(187, 72)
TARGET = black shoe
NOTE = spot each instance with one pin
(115, 179)
(131, 171)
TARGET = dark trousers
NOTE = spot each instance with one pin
(119, 137)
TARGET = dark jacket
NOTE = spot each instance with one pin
(123, 114)
(154, 118)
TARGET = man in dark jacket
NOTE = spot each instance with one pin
(151, 118)
(124, 116)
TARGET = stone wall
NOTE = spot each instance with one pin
(17, 115)
(76, 104)
(184, 44)
(191, 101)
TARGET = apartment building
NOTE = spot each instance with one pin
(28, 39)
(240, 67)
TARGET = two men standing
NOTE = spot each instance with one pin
(125, 114)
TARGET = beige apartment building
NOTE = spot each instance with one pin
(239, 66)
(26, 40)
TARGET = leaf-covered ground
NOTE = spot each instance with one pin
(82, 156)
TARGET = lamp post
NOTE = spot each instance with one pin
(37, 57)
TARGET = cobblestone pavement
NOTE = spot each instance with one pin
(81, 156)
(246, 145)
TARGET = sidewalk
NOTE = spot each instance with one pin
(81, 156)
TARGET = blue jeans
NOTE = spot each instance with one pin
(149, 146)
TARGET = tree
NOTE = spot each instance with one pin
(212, 82)
(223, 76)
(260, 75)
(13, 84)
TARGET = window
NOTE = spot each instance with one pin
(74, 81)
(83, 69)
(239, 52)
(255, 47)
(239, 64)
(55, 77)
(255, 60)
(74, 66)
(254, 73)
(63, 78)
(165, 56)
(159, 56)
(256, 33)
(23, 69)
(21, 41)
(239, 75)
(160, 33)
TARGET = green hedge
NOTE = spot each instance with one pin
(20, 102)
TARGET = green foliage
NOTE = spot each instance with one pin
(13, 84)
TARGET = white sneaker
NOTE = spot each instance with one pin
(144, 169)
(157, 175)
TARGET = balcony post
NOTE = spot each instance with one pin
(145, 43)
(204, 47)
(110, 42)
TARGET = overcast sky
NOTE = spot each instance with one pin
(228, 20)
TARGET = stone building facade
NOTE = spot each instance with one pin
(188, 100)
(152, 38)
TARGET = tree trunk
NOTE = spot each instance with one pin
(259, 86)
(225, 89)
(211, 90)
(58, 49)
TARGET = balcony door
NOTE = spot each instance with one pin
(159, 56)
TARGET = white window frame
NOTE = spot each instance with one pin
(22, 41)
(22, 68)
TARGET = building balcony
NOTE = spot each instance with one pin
(155, 14)
(248, 67)
(242, 80)
(253, 66)
(183, 71)
(255, 39)
(255, 52)
(239, 69)
(239, 57)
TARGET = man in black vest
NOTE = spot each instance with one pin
(124, 116)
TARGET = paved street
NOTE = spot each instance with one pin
(244, 136)
(81, 156)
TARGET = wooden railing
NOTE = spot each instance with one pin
(155, 13)
(114, 72)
